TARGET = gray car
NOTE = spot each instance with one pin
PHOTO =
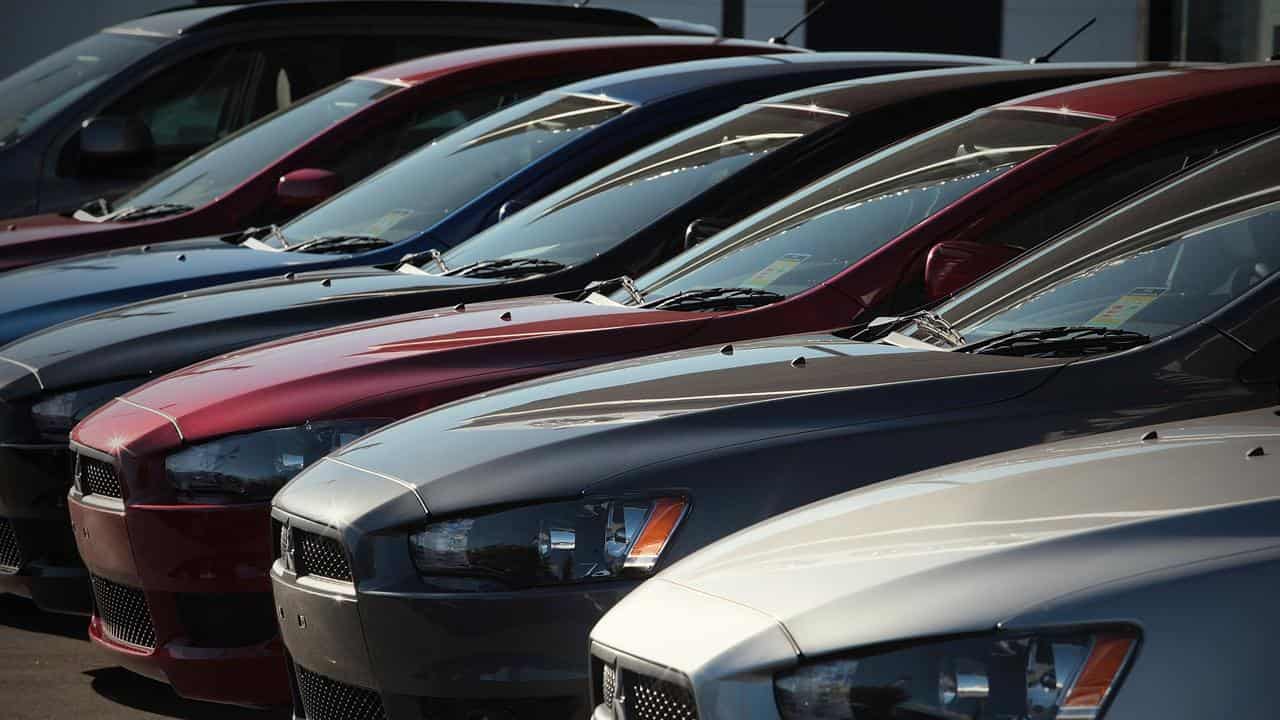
(1127, 573)
(464, 552)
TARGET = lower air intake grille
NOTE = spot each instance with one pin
(95, 477)
(648, 698)
(124, 613)
(320, 555)
(10, 553)
(325, 699)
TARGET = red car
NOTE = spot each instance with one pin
(296, 158)
(191, 453)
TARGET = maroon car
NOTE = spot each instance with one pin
(294, 159)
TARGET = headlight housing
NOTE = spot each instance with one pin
(1034, 676)
(548, 544)
(55, 415)
(253, 466)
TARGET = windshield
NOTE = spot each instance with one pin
(819, 231)
(38, 91)
(219, 168)
(413, 194)
(1154, 287)
(593, 215)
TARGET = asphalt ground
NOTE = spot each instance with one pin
(49, 671)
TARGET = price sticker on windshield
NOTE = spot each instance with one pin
(774, 270)
(1128, 305)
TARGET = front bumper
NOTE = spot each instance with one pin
(181, 595)
(416, 655)
(38, 557)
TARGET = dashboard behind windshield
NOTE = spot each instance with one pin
(816, 233)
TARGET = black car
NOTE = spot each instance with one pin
(99, 116)
(625, 218)
(480, 541)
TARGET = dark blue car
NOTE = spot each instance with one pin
(443, 194)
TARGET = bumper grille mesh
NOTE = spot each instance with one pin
(10, 551)
(648, 698)
(326, 699)
(97, 478)
(608, 684)
(124, 613)
(319, 555)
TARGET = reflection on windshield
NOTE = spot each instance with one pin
(413, 194)
(38, 91)
(596, 213)
(806, 239)
(222, 166)
(1153, 287)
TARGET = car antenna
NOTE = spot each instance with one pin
(1049, 55)
(782, 39)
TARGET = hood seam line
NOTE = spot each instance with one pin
(172, 420)
(402, 483)
(34, 373)
(795, 647)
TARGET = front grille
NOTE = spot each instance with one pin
(95, 477)
(320, 555)
(608, 684)
(326, 699)
(648, 698)
(124, 613)
(10, 552)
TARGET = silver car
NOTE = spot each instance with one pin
(1129, 573)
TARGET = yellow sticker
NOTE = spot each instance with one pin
(386, 222)
(774, 270)
(1128, 305)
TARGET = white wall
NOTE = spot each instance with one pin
(35, 28)
(765, 18)
(1033, 27)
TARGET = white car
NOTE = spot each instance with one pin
(1130, 573)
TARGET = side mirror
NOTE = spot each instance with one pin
(952, 264)
(307, 187)
(115, 140)
(701, 229)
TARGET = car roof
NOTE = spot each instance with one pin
(423, 69)
(854, 95)
(1118, 97)
(647, 85)
(181, 21)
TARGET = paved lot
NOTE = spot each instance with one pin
(49, 671)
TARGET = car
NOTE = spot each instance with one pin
(1072, 579)
(212, 432)
(296, 158)
(97, 117)
(781, 143)
(493, 532)
(442, 194)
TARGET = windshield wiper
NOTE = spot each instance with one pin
(97, 208)
(507, 268)
(605, 286)
(1064, 341)
(716, 299)
(146, 211)
(927, 320)
(340, 244)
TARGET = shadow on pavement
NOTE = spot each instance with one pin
(134, 691)
(21, 614)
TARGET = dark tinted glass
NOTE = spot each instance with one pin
(826, 227)
(425, 187)
(38, 91)
(592, 215)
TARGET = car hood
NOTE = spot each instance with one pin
(21, 239)
(584, 431)
(395, 366)
(39, 296)
(156, 336)
(920, 556)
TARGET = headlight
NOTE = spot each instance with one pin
(56, 415)
(1036, 677)
(255, 465)
(547, 544)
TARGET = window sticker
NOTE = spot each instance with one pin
(1128, 305)
(388, 221)
(776, 269)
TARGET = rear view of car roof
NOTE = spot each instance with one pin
(587, 21)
